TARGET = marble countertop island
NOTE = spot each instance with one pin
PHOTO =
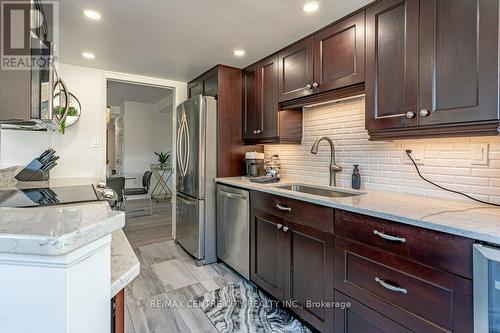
(468, 219)
(124, 263)
(56, 230)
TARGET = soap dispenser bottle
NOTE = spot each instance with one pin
(356, 178)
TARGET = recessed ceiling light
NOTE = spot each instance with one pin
(92, 14)
(310, 6)
(88, 55)
(239, 53)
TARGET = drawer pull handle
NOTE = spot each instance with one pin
(389, 237)
(390, 286)
(283, 208)
(285, 229)
(279, 226)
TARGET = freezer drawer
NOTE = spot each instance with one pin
(233, 228)
(190, 225)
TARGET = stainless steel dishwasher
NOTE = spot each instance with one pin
(233, 228)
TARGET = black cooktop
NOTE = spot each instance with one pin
(35, 197)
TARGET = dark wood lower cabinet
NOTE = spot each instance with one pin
(266, 254)
(291, 259)
(118, 313)
(353, 317)
(311, 275)
(407, 286)
(416, 296)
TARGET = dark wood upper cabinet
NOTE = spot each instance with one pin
(432, 68)
(252, 113)
(339, 54)
(225, 84)
(296, 70)
(205, 84)
(391, 64)
(263, 122)
(458, 61)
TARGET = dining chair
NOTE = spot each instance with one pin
(141, 191)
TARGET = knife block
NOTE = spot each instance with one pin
(33, 172)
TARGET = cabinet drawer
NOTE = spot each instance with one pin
(436, 249)
(310, 215)
(357, 318)
(375, 277)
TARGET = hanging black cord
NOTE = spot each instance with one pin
(408, 152)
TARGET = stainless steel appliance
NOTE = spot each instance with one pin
(254, 164)
(486, 289)
(233, 228)
(196, 171)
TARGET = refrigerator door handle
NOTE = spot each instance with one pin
(178, 149)
(187, 146)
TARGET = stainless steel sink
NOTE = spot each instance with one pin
(324, 192)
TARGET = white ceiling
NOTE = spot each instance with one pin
(119, 92)
(179, 39)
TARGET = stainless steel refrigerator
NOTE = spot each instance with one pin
(196, 169)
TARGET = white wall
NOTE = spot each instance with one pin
(79, 158)
(145, 132)
(383, 164)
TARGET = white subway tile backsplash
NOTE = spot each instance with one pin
(448, 162)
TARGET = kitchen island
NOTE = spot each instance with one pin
(60, 266)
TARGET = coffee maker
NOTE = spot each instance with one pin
(254, 164)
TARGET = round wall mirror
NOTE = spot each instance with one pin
(75, 108)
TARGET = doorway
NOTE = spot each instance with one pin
(139, 150)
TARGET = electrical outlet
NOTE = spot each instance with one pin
(479, 154)
(417, 152)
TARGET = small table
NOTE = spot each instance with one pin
(162, 174)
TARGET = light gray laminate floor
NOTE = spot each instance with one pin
(158, 300)
(142, 229)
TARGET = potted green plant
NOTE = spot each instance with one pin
(163, 158)
(59, 110)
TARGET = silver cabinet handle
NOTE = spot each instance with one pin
(410, 114)
(424, 113)
(308, 86)
(232, 195)
(283, 208)
(389, 237)
(315, 85)
(258, 132)
(279, 226)
(390, 286)
(285, 229)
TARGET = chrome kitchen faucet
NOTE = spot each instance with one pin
(334, 168)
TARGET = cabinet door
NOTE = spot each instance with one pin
(391, 64)
(210, 83)
(252, 112)
(357, 318)
(310, 258)
(195, 88)
(268, 99)
(266, 253)
(458, 61)
(296, 70)
(339, 54)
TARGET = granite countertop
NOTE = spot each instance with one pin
(56, 230)
(124, 264)
(468, 219)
